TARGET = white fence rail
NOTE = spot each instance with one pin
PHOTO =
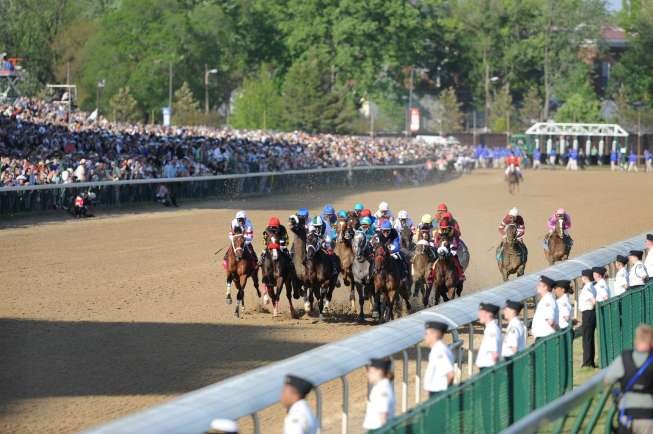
(251, 392)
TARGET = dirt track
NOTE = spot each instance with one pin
(106, 316)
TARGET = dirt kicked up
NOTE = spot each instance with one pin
(106, 316)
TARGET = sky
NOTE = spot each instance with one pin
(614, 5)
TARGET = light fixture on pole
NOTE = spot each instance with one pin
(207, 72)
(100, 88)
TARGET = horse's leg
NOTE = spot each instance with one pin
(317, 290)
(288, 284)
(277, 295)
(361, 302)
(352, 289)
(239, 296)
(254, 275)
(228, 294)
(308, 299)
(459, 288)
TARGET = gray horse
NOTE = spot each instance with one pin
(361, 268)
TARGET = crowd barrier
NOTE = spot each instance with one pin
(247, 394)
(111, 194)
(497, 397)
(617, 319)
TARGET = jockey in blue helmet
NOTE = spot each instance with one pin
(329, 218)
(358, 207)
(300, 218)
(389, 237)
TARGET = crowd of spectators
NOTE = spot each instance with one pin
(42, 143)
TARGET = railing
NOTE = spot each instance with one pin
(617, 319)
(249, 393)
(117, 193)
(495, 398)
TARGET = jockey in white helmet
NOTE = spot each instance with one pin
(403, 220)
(244, 224)
(383, 214)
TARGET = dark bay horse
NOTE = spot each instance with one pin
(320, 273)
(298, 250)
(559, 244)
(511, 254)
(446, 281)
(422, 264)
(361, 273)
(240, 266)
(513, 182)
(277, 272)
(387, 283)
(344, 235)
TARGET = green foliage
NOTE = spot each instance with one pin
(258, 105)
(580, 107)
(185, 108)
(501, 111)
(124, 108)
(531, 110)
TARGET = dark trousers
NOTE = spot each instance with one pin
(589, 325)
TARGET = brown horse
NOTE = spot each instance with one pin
(319, 269)
(511, 254)
(387, 283)
(513, 182)
(240, 266)
(277, 272)
(558, 245)
(446, 281)
(422, 264)
(344, 251)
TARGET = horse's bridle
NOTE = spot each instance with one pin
(233, 245)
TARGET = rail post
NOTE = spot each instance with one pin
(404, 383)
(418, 373)
(345, 404)
(257, 423)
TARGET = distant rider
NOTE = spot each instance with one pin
(443, 212)
(512, 165)
(278, 231)
(318, 227)
(446, 231)
(242, 224)
(513, 218)
(552, 222)
(390, 238)
(383, 214)
(404, 221)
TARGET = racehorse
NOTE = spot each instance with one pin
(276, 272)
(422, 264)
(240, 266)
(406, 236)
(361, 273)
(387, 283)
(344, 251)
(511, 254)
(558, 245)
(298, 251)
(513, 181)
(319, 269)
(446, 281)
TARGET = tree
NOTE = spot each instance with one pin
(580, 107)
(444, 114)
(531, 110)
(124, 108)
(185, 108)
(259, 104)
(501, 112)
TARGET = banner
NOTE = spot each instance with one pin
(167, 111)
(414, 120)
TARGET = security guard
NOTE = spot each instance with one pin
(562, 289)
(381, 402)
(490, 349)
(600, 285)
(621, 278)
(223, 426)
(545, 319)
(633, 370)
(648, 263)
(300, 418)
(515, 338)
(586, 303)
(440, 369)
(638, 274)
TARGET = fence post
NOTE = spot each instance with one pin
(470, 352)
(418, 374)
(404, 383)
(345, 404)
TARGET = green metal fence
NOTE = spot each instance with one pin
(617, 319)
(496, 398)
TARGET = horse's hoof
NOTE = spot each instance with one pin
(321, 317)
(375, 315)
(326, 305)
(275, 312)
(361, 318)
(266, 299)
(228, 299)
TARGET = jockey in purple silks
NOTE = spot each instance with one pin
(553, 221)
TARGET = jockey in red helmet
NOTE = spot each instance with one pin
(443, 212)
(275, 230)
(447, 232)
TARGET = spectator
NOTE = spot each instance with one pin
(300, 418)
(440, 369)
(223, 426)
(632, 162)
(633, 371)
(638, 275)
(648, 263)
(381, 401)
(562, 289)
(621, 278)
(515, 338)
(490, 349)
(586, 303)
(545, 319)
(600, 285)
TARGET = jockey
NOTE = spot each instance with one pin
(358, 208)
(404, 221)
(513, 217)
(512, 165)
(447, 230)
(389, 237)
(367, 227)
(367, 213)
(553, 221)
(274, 228)
(325, 239)
(443, 212)
(300, 218)
(425, 229)
(329, 218)
(384, 214)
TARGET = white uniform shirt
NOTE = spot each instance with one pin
(382, 400)
(648, 262)
(491, 343)
(514, 339)
(587, 297)
(249, 229)
(409, 222)
(564, 311)
(637, 274)
(546, 310)
(300, 419)
(440, 364)
(602, 290)
(621, 281)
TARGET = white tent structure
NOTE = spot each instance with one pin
(576, 131)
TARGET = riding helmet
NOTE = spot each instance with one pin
(328, 209)
(302, 212)
(274, 222)
(427, 219)
(386, 225)
(366, 221)
(342, 214)
(358, 207)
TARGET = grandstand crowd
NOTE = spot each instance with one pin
(41, 143)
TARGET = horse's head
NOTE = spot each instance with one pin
(238, 243)
(343, 231)
(380, 254)
(443, 249)
(312, 245)
(560, 226)
(359, 243)
(511, 233)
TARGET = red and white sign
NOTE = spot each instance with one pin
(414, 120)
